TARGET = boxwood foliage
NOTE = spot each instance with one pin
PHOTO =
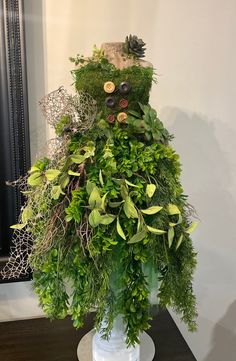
(115, 215)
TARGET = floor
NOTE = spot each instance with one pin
(43, 340)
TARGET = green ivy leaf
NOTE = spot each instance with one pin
(56, 192)
(124, 191)
(171, 234)
(155, 230)
(76, 174)
(192, 227)
(52, 174)
(130, 184)
(90, 186)
(138, 236)
(94, 218)
(35, 179)
(68, 218)
(129, 208)
(115, 204)
(78, 158)
(150, 190)
(107, 219)
(95, 200)
(89, 149)
(26, 214)
(103, 204)
(34, 169)
(119, 229)
(180, 239)
(152, 210)
(18, 226)
(172, 209)
(114, 243)
(64, 180)
(140, 223)
(101, 178)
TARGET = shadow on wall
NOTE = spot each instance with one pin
(206, 163)
(206, 150)
(224, 339)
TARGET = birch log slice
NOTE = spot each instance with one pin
(115, 54)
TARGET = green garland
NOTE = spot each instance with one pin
(115, 206)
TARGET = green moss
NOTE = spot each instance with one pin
(92, 76)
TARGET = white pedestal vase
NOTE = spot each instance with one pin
(115, 347)
(93, 348)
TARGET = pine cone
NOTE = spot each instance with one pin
(135, 46)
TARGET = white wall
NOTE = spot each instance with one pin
(196, 56)
(191, 44)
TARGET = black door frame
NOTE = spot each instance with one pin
(14, 122)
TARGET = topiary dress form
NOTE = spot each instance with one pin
(109, 222)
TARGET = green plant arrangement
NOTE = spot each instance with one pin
(106, 223)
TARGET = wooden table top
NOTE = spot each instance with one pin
(43, 340)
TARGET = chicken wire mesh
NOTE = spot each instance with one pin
(48, 223)
(81, 108)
